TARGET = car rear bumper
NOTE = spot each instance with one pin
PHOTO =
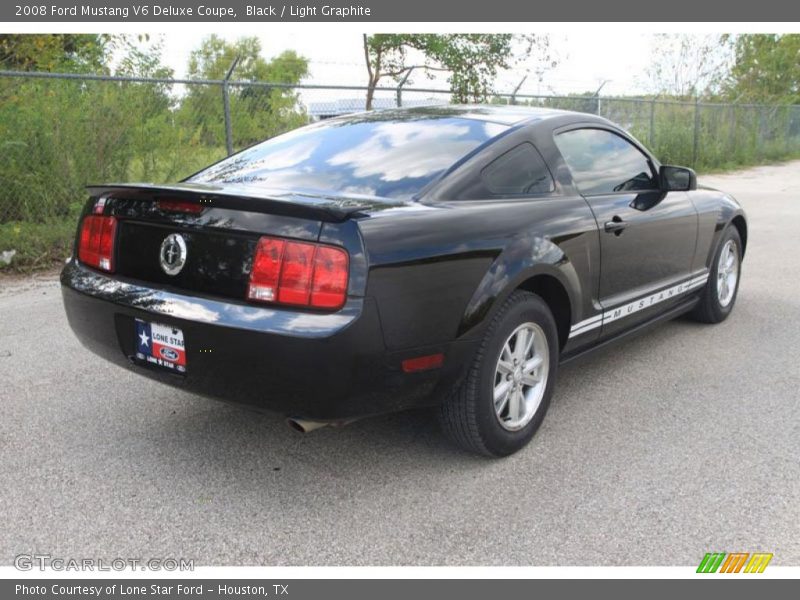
(307, 365)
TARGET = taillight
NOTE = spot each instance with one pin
(299, 274)
(329, 287)
(96, 244)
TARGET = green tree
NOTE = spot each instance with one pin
(472, 60)
(86, 53)
(215, 56)
(60, 134)
(257, 112)
(766, 69)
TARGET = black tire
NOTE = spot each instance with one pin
(468, 415)
(710, 309)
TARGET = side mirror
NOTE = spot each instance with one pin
(677, 179)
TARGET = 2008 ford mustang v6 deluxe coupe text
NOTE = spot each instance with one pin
(448, 256)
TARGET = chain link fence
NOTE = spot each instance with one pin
(60, 131)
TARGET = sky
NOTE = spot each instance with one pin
(586, 60)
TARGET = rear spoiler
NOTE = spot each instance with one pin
(290, 204)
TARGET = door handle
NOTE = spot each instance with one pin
(615, 225)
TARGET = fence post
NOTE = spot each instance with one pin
(598, 105)
(513, 99)
(226, 107)
(400, 87)
(696, 131)
(653, 124)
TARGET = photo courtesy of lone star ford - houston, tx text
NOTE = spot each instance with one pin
(400, 300)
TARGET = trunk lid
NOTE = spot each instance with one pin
(219, 231)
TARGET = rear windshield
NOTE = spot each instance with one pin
(371, 155)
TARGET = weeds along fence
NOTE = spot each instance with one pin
(62, 131)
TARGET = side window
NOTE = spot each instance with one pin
(519, 172)
(602, 162)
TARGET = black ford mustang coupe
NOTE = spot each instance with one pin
(448, 256)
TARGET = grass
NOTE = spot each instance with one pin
(38, 245)
(42, 245)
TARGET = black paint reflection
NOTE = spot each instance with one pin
(392, 155)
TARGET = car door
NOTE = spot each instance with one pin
(647, 236)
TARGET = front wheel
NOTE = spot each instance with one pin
(719, 295)
(503, 400)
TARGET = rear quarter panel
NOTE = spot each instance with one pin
(437, 271)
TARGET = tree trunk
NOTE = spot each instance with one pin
(372, 75)
(370, 95)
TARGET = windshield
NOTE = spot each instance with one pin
(392, 154)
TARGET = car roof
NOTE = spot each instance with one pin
(509, 115)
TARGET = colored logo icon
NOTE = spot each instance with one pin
(734, 562)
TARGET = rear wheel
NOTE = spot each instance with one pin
(719, 295)
(503, 400)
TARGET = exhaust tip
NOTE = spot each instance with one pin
(306, 426)
(303, 426)
(295, 425)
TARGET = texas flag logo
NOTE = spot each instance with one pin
(161, 345)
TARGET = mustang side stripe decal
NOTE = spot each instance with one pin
(630, 308)
(586, 322)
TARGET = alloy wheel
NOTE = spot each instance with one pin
(521, 376)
